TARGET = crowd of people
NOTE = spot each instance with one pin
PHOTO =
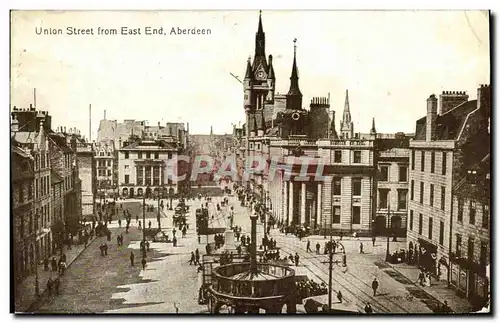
(309, 288)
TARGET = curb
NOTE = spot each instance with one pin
(43, 290)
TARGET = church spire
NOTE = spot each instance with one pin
(294, 97)
(373, 131)
(347, 128)
(294, 78)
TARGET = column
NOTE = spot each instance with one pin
(143, 176)
(290, 202)
(319, 221)
(302, 215)
(152, 177)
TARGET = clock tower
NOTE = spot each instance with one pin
(259, 84)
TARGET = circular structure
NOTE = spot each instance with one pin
(249, 287)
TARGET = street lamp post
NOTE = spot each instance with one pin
(387, 254)
(253, 249)
(158, 216)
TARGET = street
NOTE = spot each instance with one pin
(109, 284)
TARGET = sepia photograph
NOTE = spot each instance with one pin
(250, 162)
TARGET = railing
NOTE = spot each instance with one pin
(279, 286)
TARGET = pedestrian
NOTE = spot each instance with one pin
(199, 239)
(140, 226)
(296, 259)
(308, 248)
(318, 246)
(193, 259)
(49, 286)
(46, 264)
(120, 223)
(57, 284)
(361, 247)
(137, 219)
(373, 242)
(105, 249)
(149, 224)
(132, 257)
(174, 241)
(147, 245)
(62, 267)
(197, 256)
(54, 264)
(375, 286)
(184, 230)
(118, 240)
(339, 296)
(144, 263)
(421, 277)
(368, 308)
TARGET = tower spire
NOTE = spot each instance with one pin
(260, 41)
(248, 73)
(373, 130)
(294, 78)
(347, 128)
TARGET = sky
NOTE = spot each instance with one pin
(391, 61)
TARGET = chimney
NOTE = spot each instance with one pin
(430, 130)
(31, 107)
(333, 132)
(484, 100)
(451, 99)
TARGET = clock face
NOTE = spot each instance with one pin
(260, 74)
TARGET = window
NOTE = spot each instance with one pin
(157, 155)
(126, 155)
(156, 176)
(460, 212)
(411, 220)
(403, 173)
(443, 165)
(433, 159)
(337, 186)
(139, 175)
(470, 248)
(421, 192)
(443, 197)
(422, 161)
(430, 227)
(147, 179)
(127, 179)
(441, 232)
(37, 195)
(148, 155)
(356, 186)
(356, 215)
(357, 157)
(412, 189)
(169, 155)
(336, 214)
(139, 155)
(483, 253)
(382, 201)
(486, 214)
(413, 160)
(458, 247)
(126, 166)
(337, 156)
(420, 222)
(402, 199)
(258, 146)
(384, 173)
(30, 191)
(109, 172)
(109, 162)
(472, 212)
(431, 195)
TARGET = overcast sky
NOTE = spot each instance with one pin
(390, 61)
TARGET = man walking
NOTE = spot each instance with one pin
(132, 257)
(296, 259)
(308, 247)
(318, 246)
(375, 286)
(197, 257)
(373, 244)
(192, 260)
(144, 263)
(361, 248)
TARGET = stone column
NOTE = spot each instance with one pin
(318, 207)
(302, 203)
(290, 202)
(143, 176)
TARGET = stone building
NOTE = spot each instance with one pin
(86, 166)
(23, 176)
(146, 165)
(340, 186)
(34, 224)
(438, 152)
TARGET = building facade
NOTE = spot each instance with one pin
(442, 145)
(106, 161)
(146, 165)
